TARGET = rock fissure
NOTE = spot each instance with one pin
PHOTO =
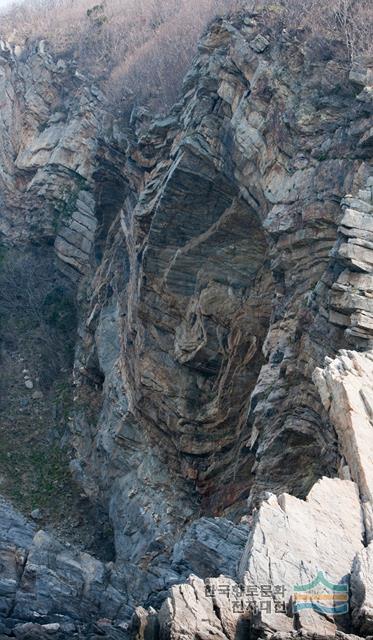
(221, 260)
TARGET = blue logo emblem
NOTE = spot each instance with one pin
(321, 595)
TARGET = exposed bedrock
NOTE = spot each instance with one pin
(222, 280)
(345, 386)
(226, 255)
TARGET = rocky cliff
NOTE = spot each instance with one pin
(221, 262)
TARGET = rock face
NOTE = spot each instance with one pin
(50, 120)
(362, 591)
(346, 389)
(210, 545)
(292, 540)
(50, 583)
(350, 302)
(233, 255)
(290, 543)
(219, 255)
(15, 539)
(190, 613)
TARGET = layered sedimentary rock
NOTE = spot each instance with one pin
(220, 254)
(290, 543)
(226, 302)
(53, 127)
(55, 587)
(351, 298)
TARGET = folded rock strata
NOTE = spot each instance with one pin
(234, 255)
(223, 308)
(219, 255)
(291, 542)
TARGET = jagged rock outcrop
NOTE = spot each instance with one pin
(350, 303)
(56, 587)
(53, 124)
(224, 308)
(15, 539)
(210, 545)
(290, 543)
(219, 255)
(190, 612)
(345, 386)
(292, 540)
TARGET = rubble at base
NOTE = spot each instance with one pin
(222, 263)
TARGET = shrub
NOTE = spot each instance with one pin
(143, 48)
(350, 19)
(38, 312)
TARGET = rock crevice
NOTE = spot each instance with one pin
(221, 262)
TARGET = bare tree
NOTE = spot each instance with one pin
(37, 311)
(130, 45)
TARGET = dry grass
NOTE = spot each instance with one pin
(144, 47)
(126, 44)
(351, 20)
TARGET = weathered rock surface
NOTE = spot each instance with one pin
(224, 304)
(56, 587)
(351, 295)
(345, 386)
(219, 254)
(190, 613)
(211, 546)
(15, 539)
(362, 591)
(292, 540)
(50, 122)
(58, 580)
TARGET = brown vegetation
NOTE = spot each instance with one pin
(351, 20)
(37, 312)
(143, 48)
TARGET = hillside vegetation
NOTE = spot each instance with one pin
(142, 48)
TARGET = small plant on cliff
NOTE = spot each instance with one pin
(64, 206)
(97, 16)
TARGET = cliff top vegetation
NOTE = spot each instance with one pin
(143, 48)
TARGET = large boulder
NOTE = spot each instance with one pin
(203, 610)
(293, 540)
(346, 389)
